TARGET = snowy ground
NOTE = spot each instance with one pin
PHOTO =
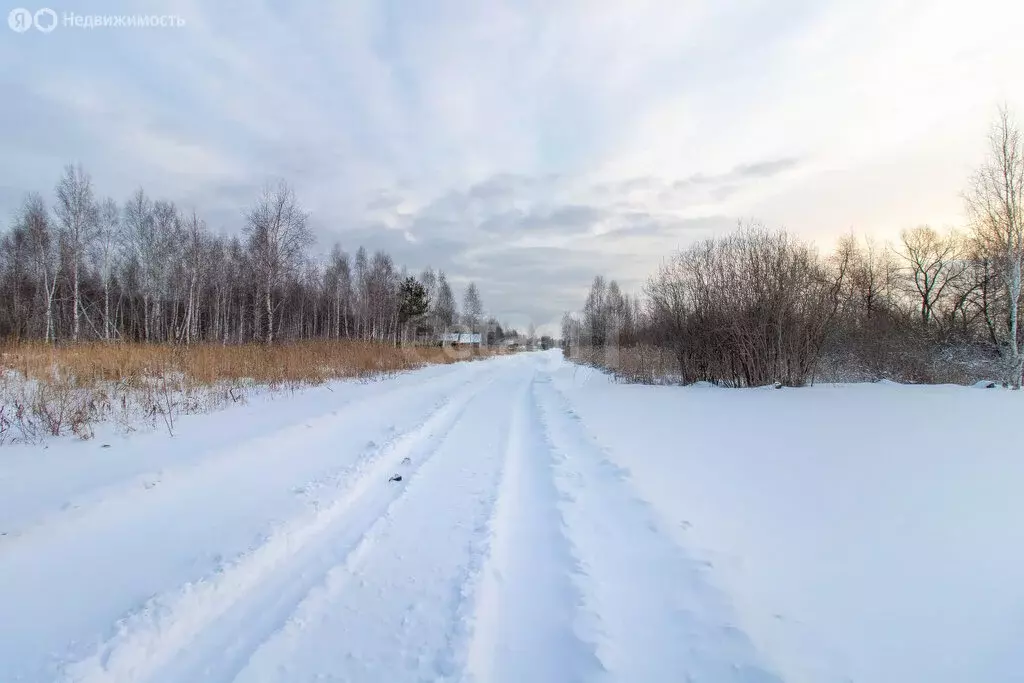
(550, 525)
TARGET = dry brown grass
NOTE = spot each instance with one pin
(48, 391)
(310, 362)
(641, 364)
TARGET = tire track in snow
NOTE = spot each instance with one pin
(399, 607)
(649, 607)
(272, 446)
(207, 629)
(525, 605)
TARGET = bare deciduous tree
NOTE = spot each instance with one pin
(595, 313)
(44, 249)
(278, 235)
(995, 201)
(165, 234)
(933, 263)
(472, 307)
(76, 210)
(339, 284)
(144, 248)
(195, 254)
(105, 252)
(362, 283)
(445, 311)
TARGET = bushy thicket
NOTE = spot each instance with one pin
(759, 307)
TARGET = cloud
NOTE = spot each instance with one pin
(765, 169)
(489, 136)
(532, 258)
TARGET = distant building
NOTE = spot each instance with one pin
(461, 339)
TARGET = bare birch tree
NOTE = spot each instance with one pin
(278, 233)
(339, 284)
(995, 201)
(44, 247)
(195, 255)
(105, 250)
(166, 230)
(77, 213)
(362, 284)
(445, 311)
(428, 278)
(472, 307)
(144, 247)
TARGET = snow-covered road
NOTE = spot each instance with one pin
(266, 543)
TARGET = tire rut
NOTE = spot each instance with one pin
(192, 633)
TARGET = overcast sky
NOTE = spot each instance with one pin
(525, 145)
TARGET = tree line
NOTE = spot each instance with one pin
(760, 307)
(146, 270)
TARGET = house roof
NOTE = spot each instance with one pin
(461, 338)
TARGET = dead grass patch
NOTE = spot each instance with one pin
(53, 390)
(638, 364)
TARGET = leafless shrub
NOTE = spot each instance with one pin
(6, 424)
(758, 308)
(749, 309)
(642, 364)
(54, 405)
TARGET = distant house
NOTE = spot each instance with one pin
(461, 339)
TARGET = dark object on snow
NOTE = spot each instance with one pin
(397, 477)
(406, 461)
(990, 385)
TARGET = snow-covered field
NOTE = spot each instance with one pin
(550, 525)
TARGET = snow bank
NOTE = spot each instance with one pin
(863, 532)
